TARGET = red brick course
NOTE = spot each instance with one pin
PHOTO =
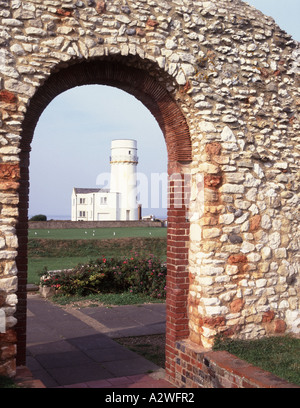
(8, 97)
(197, 367)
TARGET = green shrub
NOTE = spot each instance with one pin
(136, 274)
(39, 217)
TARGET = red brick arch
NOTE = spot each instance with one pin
(135, 81)
(171, 120)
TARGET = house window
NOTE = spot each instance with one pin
(103, 200)
(81, 213)
(82, 201)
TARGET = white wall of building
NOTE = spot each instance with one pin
(96, 205)
(123, 178)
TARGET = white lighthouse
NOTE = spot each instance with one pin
(123, 178)
(119, 203)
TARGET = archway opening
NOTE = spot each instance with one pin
(75, 131)
(172, 122)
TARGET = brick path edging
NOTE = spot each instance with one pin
(24, 378)
(197, 367)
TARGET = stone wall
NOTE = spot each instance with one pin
(222, 81)
(92, 224)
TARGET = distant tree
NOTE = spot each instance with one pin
(39, 217)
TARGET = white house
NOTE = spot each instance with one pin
(120, 202)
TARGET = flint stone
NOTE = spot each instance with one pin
(232, 189)
(235, 239)
(227, 135)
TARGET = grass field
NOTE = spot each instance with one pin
(36, 265)
(98, 233)
(65, 248)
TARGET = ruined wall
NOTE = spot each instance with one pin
(245, 269)
(222, 81)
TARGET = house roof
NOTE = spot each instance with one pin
(90, 190)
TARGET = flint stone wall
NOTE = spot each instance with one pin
(233, 75)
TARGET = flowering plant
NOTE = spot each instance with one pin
(136, 273)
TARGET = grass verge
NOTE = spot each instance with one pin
(278, 355)
(6, 382)
(107, 299)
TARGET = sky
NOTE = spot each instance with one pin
(71, 146)
(71, 143)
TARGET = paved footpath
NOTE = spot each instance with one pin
(74, 347)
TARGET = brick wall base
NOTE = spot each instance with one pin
(197, 367)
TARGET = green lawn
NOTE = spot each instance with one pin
(6, 382)
(36, 265)
(98, 233)
(65, 248)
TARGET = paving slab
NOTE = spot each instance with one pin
(75, 347)
(130, 320)
(92, 342)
